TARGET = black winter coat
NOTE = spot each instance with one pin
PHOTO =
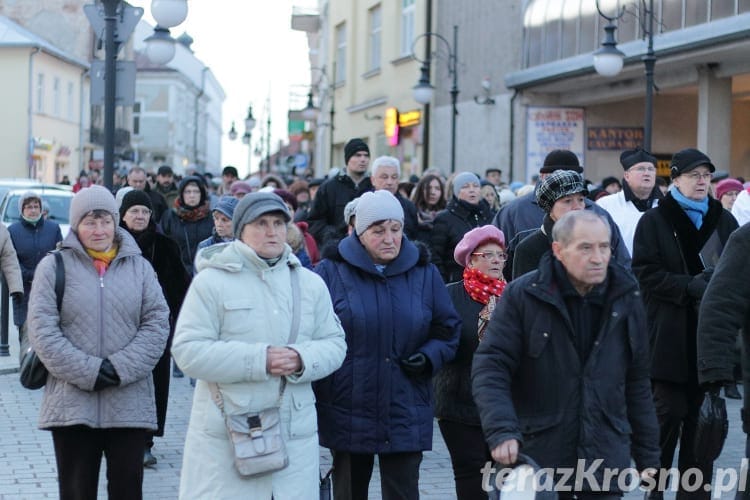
(410, 217)
(452, 384)
(724, 310)
(326, 216)
(666, 256)
(450, 226)
(187, 234)
(529, 382)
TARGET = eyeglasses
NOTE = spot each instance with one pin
(695, 176)
(501, 256)
(643, 169)
(139, 211)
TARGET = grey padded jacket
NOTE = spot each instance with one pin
(121, 316)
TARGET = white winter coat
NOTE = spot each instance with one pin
(237, 306)
(625, 215)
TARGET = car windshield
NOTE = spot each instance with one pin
(59, 208)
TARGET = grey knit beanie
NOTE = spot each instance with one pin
(252, 206)
(375, 207)
(89, 199)
(463, 179)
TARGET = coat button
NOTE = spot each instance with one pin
(615, 314)
(545, 334)
(387, 360)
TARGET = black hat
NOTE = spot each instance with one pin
(631, 157)
(561, 159)
(610, 180)
(135, 197)
(353, 147)
(687, 160)
(492, 169)
(230, 170)
(316, 181)
(165, 170)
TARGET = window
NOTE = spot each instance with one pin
(407, 26)
(375, 30)
(56, 96)
(340, 53)
(71, 101)
(40, 93)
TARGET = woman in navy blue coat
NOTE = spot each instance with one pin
(401, 327)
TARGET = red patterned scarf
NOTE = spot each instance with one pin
(481, 287)
(191, 214)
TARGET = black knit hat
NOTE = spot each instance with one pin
(353, 147)
(631, 157)
(561, 159)
(687, 160)
(135, 197)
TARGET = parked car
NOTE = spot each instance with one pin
(56, 200)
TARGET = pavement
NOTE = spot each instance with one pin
(27, 461)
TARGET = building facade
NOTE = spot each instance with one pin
(45, 110)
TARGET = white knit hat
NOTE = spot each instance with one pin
(375, 207)
(89, 199)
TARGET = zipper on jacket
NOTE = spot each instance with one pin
(99, 349)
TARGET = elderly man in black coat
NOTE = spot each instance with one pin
(675, 249)
(724, 310)
(562, 373)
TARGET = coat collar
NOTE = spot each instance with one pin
(351, 250)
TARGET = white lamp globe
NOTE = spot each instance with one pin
(169, 13)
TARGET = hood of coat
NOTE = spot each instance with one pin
(350, 250)
(236, 255)
(126, 244)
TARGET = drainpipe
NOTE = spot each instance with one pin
(511, 151)
(81, 123)
(195, 117)
(30, 141)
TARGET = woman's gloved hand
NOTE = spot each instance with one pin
(107, 376)
(416, 364)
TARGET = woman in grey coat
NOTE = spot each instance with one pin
(99, 348)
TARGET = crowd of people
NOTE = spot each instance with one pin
(559, 321)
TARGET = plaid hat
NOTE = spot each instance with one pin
(254, 205)
(557, 185)
(474, 238)
(89, 199)
(376, 206)
(353, 147)
(561, 159)
(687, 160)
(631, 157)
(727, 185)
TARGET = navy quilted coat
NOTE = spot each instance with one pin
(370, 405)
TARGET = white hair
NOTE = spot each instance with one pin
(386, 161)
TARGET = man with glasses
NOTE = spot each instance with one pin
(639, 193)
(675, 249)
(137, 179)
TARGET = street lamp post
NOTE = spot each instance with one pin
(311, 112)
(608, 60)
(250, 123)
(160, 47)
(423, 90)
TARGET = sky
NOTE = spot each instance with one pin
(253, 52)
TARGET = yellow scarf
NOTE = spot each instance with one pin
(102, 259)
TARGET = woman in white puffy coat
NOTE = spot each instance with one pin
(233, 329)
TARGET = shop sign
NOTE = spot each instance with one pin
(614, 138)
(391, 126)
(550, 128)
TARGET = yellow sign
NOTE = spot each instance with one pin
(409, 118)
(662, 167)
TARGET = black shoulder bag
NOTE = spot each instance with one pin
(33, 373)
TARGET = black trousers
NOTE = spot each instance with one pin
(399, 475)
(469, 453)
(161, 376)
(78, 451)
(677, 407)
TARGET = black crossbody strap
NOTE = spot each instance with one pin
(59, 279)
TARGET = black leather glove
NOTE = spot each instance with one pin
(107, 376)
(416, 364)
(713, 387)
(697, 286)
